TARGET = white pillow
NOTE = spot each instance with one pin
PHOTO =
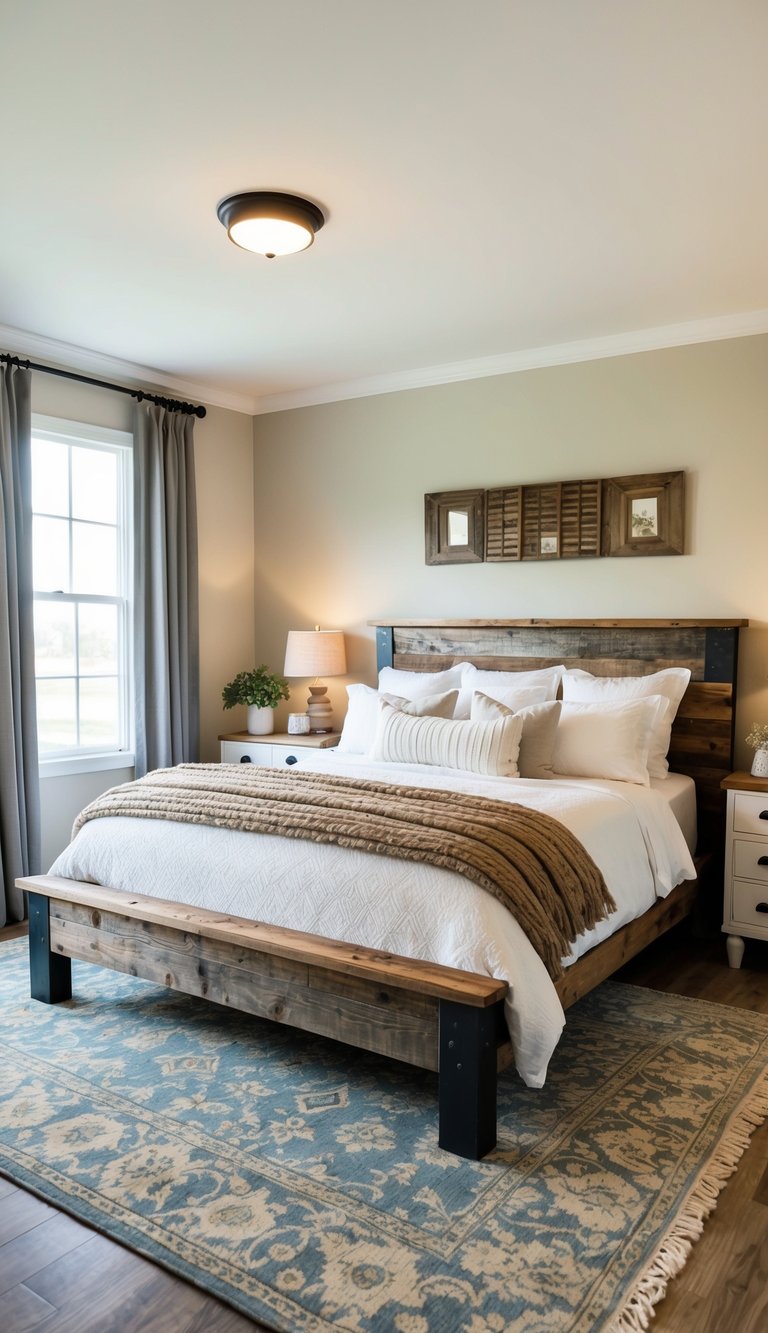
(489, 682)
(409, 684)
(359, 730)
(603, 740)
(672, 682)
(360, 723)
(537, 742)
(478, 747)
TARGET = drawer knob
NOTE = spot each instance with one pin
(762, 860)
(762, 907)
(763, 814)
(293, 759)
(245, 759)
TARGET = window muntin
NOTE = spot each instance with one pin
(81, 573)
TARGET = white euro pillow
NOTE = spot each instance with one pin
(545, 681)
(409, 684)
(490, 748)
(671, 683)
(607, 740)
(537, 740)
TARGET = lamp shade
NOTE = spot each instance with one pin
(315, 652)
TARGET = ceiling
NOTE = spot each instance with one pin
(498, 177)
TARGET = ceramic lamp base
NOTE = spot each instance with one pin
(319, 709)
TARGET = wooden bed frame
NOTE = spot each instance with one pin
(431, 1016)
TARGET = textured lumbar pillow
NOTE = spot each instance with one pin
(478, 747)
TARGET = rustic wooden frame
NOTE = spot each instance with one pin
(666, 491)
(431, 1016)
(559, 520)
(437, 508)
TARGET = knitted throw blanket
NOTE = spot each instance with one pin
(529, 861)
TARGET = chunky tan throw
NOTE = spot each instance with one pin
(528, 861)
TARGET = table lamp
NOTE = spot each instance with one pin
(316, 652)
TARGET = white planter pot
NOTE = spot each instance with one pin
(261, 721)
(760, 764)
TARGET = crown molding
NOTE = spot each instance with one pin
(70, 357)
(743, 325)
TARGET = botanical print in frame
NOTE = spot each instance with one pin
(644, 515)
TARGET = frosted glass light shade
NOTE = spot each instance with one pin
(315, 652)
(271, 236)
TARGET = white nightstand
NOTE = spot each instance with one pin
(271, 751)
(745, 903)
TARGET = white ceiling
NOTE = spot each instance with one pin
(497, 177)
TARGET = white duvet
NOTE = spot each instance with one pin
(408, 908)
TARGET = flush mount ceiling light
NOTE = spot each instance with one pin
(269, 223)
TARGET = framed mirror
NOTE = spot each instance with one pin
(454, 527)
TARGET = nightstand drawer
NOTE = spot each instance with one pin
(283, 755)
(750, 905)
(750, 813)
(279, 749)
(750, 859)
(238, 752)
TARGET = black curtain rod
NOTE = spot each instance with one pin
(140, 395)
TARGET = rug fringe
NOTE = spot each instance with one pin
(651, 1286)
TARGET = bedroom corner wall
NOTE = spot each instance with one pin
(224, 474)
(339, 499)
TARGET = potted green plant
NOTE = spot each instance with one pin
(261, 691)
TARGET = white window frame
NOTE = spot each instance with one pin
(84, 759)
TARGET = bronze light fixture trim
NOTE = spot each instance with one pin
(270, 223)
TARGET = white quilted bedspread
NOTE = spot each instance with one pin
(413, 909)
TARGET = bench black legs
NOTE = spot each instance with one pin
(467, 1079)
(50, 974)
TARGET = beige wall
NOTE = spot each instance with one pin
(224, 474)
(339, 496)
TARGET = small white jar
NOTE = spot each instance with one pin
(298, 724)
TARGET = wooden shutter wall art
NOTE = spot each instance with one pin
(572, 520)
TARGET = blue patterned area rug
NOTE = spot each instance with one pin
(301, 1181)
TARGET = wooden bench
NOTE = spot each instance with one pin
(428, 1015)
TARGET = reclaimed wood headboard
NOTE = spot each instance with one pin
(702, 736)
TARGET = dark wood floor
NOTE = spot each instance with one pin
(61, 1277)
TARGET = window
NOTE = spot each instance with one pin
(82, 562)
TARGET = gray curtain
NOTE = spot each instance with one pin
(19, 786)
(166, 648)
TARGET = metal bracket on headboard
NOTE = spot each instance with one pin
(385, 646)
(721, 653)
